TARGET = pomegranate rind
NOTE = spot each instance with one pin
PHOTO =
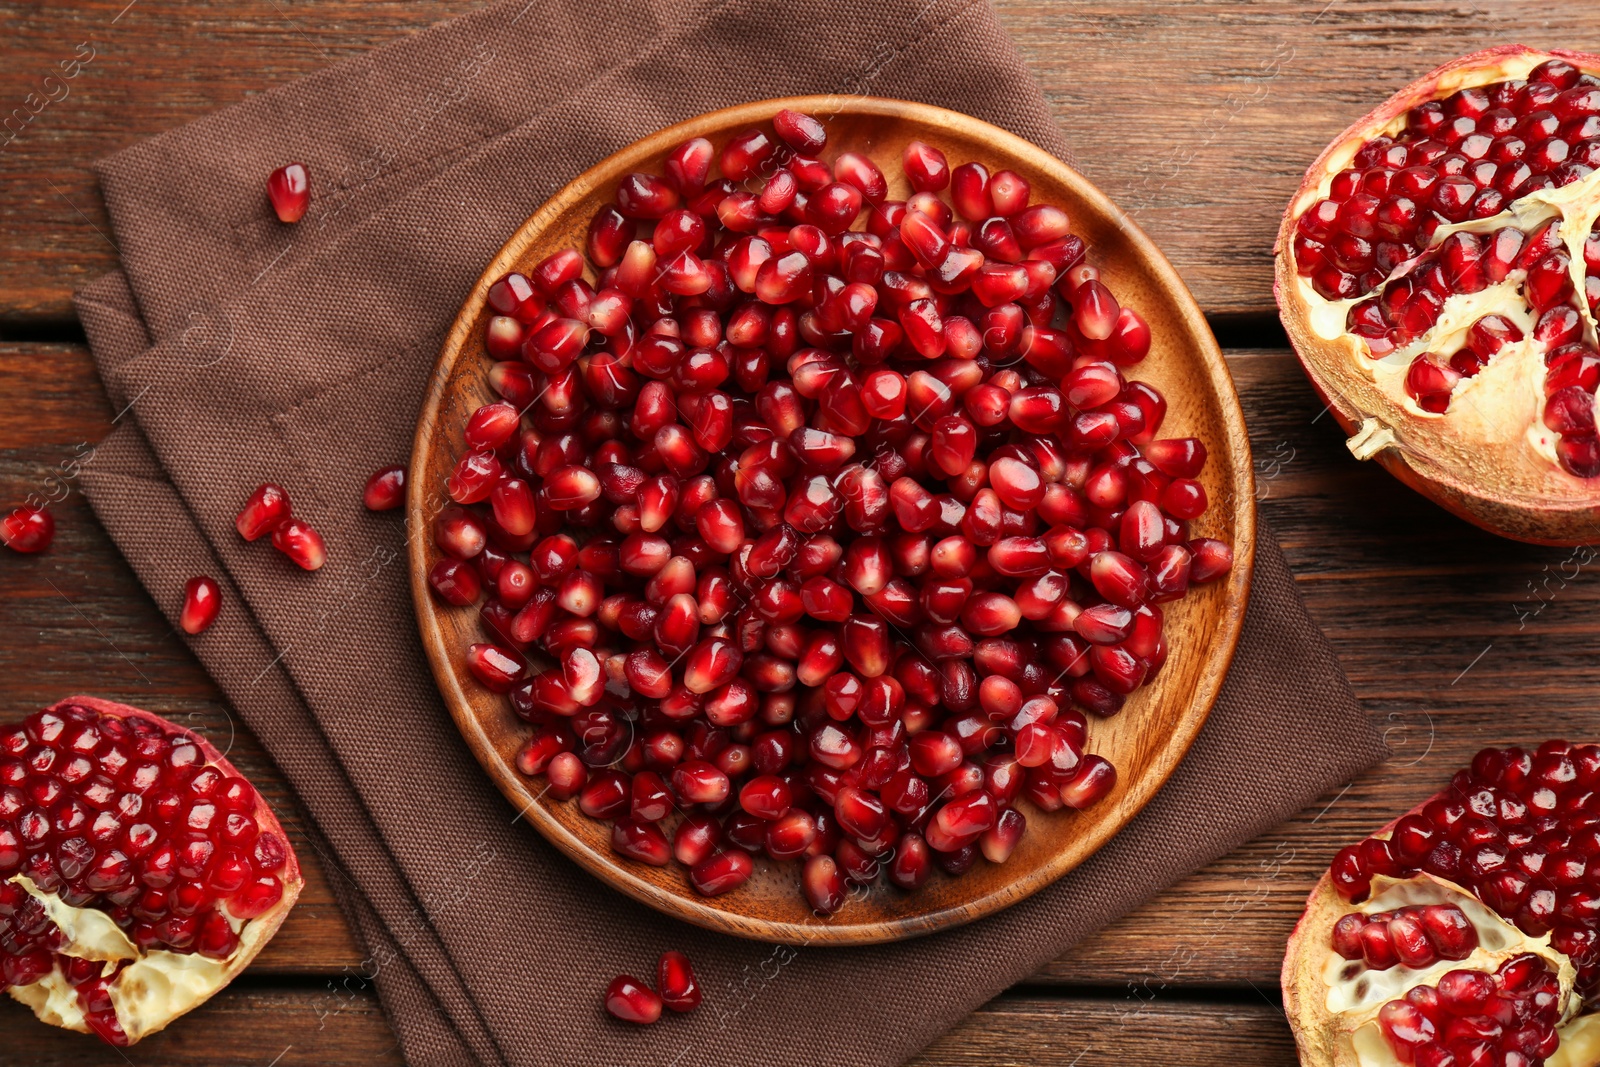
(1458, 459)
(158, 986)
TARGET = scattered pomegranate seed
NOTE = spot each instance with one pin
(296, 539)
(202, 599)
(28, 529)
(822, 519)
(386, 489)
(266, 510)
(680, 990)
(289, 189)
(632, 1001)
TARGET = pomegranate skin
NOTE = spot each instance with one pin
(148, 1013)
(1475, 467)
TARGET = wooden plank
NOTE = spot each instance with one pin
(1203, 154)
(251, 1023)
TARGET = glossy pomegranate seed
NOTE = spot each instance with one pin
(386, 489)
(675, 979)
(30, 529)
(266, 510)
(202, 599)
(721, 872)
(632, 1001)
(1095, 778)
(289, 189)
(296, 539)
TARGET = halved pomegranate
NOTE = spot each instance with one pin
(1438, 273)
(815, 523)
(1465, 933)
(139, 873)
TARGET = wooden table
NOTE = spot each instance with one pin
(1198, 118)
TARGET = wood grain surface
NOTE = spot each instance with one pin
(1198, 118)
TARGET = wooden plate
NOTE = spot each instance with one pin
(1145, 741)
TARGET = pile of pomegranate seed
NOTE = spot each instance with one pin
(833, 533)
(632, 1001)
(28, 529)
(126, 816)
(289, 189)
(1521, 831)
(1415, 937)
(202, 599)
(268, 512)
(1471, 1017)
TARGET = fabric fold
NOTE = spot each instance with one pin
(242, 351)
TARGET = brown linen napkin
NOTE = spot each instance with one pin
(247, 351)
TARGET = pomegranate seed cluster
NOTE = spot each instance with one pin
(1468, 156)
(677, 988)
(1521, 832)
(269, 513)
(1414, 937)
(124, 817)
(835, 513)
(1419, 224)
(1476, 1019)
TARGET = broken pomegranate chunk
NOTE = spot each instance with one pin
(1428, 276)
(814, 524)
(1465, 932)
(139, 873)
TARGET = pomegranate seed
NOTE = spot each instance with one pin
(1094, 779)
(202, 598)
(30, 529)
(289, 189)
(675, 978)
(264, 512)
(386, 489)
(632, 1001)
(721, 872)
(823, 884)
(296, 539)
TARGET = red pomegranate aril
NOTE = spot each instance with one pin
(296, 539)
(632, 1001)
(721, 872)
(676, 981)
(289, 189)
(1210, 559)
(30, 529)
(1094, 779)
(494, 667)
(202, 598)
(386, 489)
(266, 510)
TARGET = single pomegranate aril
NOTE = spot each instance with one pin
(289, 189)
(296, 539)
(722, 872)
(266, 510)
(675, 979)
(202, 599)
(28, 529)
(632, 1001)
(386, 489)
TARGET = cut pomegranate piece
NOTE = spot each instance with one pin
(1375, 278)
(161, 900)
(828, 539)
(28, 529)
(289, 189)
(1464, 931)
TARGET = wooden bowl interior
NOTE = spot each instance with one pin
(1145, 741)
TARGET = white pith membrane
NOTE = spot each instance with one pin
(1333, 1003)
(151, 988)
(1490, 449)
